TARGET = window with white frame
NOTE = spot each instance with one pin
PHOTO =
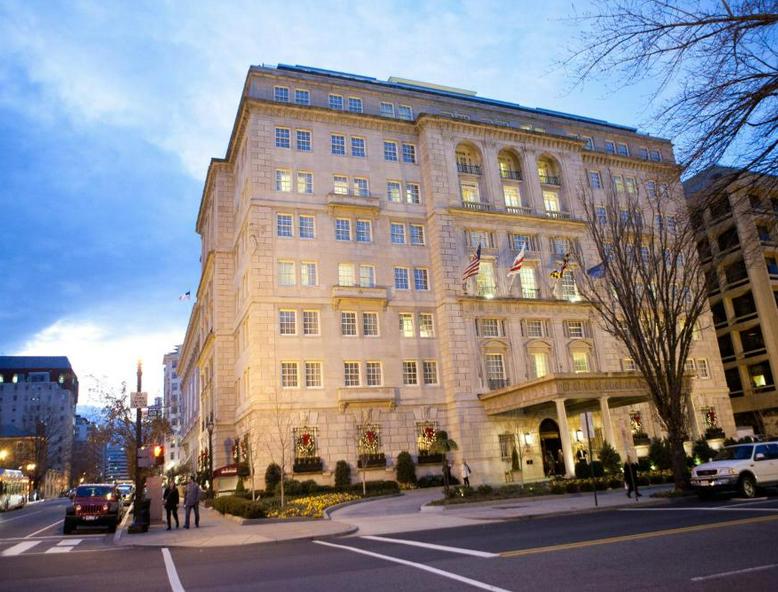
(306, 226)
(489, 327)
(355, 105)
(569, 287)
(406, 324)
(495, 367)
(426, 325)
(580, 362)
(282, 137)
(310, 322)
(618, 183)
(289, 374)
(405, 112)
(401, 278)
(412, 193)
(630, 185)
(335, 102)
(703, 370)
(610, 147)
(367, 276)
(351, 373)
(595, 180)
(539, 364)
(286, 275)
(601, 214)
(536, 328)
(387, 109)
(643, 152)
(309, 275)
(304, 182)
(410, 373)
(512, 196)
(284, 225)
(390, 151)
(397, 232)
(281, 94)
(622, 149)
(340, 184)
(409, 153)
(304, 140)
(655, 155)
(364, 231)
(560, 246)
(373, 374)
(469, 192)
(628, 365)
(575, 329)
(346, 276)
(338, 144)
(480, 237)
(690, 368)
(361, 187)
(342, 229)
(421, 278)
(520, 241)
(486, 281)
(394, 191)
(529, 282)
(370, 324)
(348, 323)
(302, 97)
(416, 232)
(430, 371)
(358, 147)
(287, 322)
(283, 180)
(312, 374)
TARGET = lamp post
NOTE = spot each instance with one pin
(209, 427)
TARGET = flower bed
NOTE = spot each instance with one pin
(312, 506)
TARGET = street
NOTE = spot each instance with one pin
(726, 544)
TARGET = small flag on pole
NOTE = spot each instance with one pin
(597, 272)
(517, 262)
(474, 267)
(186, 295)
(558, 273)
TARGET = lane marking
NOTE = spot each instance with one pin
(459, 550)
(695, 509)
(172, 574)
(421, 566)
(32, 534)
(4, 520)
(53, 536)
(69, 542)
(636, 537)
(725, 574)
(19, 548)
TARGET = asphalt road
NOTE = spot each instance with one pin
(692, 545)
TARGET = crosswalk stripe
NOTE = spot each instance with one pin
(59, 550)
(19, 548)
(69, 542)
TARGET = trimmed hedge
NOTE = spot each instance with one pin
(238, 506)
(376, 487)
(435, 481)
(582, 470)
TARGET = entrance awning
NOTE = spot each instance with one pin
(580, 392)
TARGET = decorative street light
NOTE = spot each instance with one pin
(209, 427)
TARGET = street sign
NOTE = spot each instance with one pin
(139, 400)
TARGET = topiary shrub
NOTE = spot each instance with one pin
(291, 487)
(342, 474)
(430, 481)
(702, 451)
(377, 487)
(273, 476)
(610, 459)
(644, 464)
(572, 487)
(659, 454)
(238, 506)
(485, 489)
(309, 486)
(582, 469)
(406, 470)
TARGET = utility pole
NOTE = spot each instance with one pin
(137, 525)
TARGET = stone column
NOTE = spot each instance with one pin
(490, 181)
(530, 185)
(607, 425)
(564, 435)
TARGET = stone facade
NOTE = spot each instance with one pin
(337, 306)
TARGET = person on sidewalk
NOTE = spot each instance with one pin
(466, 472)
(192, 501)
(172, 499)
(631, 477)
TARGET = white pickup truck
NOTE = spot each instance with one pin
(742, 467)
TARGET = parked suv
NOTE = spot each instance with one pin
(743, 468)
(97, 504)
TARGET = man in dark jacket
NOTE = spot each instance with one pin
(171, 502)
(631, 477)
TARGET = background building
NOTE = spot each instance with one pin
(88, 452)
(738, 242)
(331, 320)
(172, 407)
(116, 463)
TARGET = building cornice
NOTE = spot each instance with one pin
(607, 159)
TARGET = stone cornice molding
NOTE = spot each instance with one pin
(567, 224)
(603, 158)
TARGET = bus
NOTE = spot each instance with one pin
(14, 486)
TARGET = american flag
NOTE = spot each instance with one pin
(517, 262)
(474, 266)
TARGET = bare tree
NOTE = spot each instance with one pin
(277, 440)
(713, 65)
(649, 291)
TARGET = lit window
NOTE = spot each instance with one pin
(283, 180)
(370, 324)
(628, 365)
(340, 184)
(307, 227)
(416, 234)
(539, 364)
(575, 329)
(703, 370)
(430, 368)
(535, 328)
(387, 109)
(364, 231)
(421, 279)
(512, 196)
(358, 147)
(361, 187)
(486, 282)
(343, 229)
(393, 191)
(312, 374)
(406, 324)
(284, 225)
(308, 274)
(282, 137)
(401, 278)
(580, 362)
(595, 181)
(412, 193)
(550, 201)
(346, 276)
(304, 182)
(410, 373)
(405, 112)
(469, 192)
(373, 374)
(398, 233)
(409, 153)
(310, 322)
(529, 285)
(302, 97)
(303, 140)
(426, 325)
(289, 374)
(286, 275)
(281, 94)
(338, 144)
(351, 373)
(335, 102)
(348, 323)
(390, 151)
(367, 276)
(355, 105)
(287, 320)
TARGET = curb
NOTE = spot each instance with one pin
(330, 509)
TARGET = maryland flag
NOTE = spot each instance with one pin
(558, 273)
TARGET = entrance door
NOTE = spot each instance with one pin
(551, 447)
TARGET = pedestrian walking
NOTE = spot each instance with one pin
(172, 499)
(192, 501)
(631, 478)
(466, 472)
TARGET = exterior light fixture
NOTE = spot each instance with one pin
(527, 439)
(579, 435)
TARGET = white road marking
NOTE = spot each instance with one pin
(58, 550)
(32, 534)
(69, 542)
(118, 534)
(53, 536)
(4, 520)
(725, 574)
(459, 550)
(719, 509)
(434, 570)
(19, 548)
(170, 568)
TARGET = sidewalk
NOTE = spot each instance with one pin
(217, 531)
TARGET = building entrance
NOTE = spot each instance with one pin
(551, 446)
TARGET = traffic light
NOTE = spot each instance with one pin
(159, 455)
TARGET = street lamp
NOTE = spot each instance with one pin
(209, 427)
(3, 455)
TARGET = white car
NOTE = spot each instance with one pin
(742, 467)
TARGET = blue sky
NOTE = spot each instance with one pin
(110, 112)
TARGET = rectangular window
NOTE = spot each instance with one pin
(304, 182)
(560, 246)
(430, 368)
(310, 322)
(308, 274)
(535, 328)
(406, 324)
(281, 94)
(703, 370)
(610, 147)
(340, 184)
(351, 373)
(589, 143)
(655, 155)
(595, 181)
(416, 232)
(539, 364)
(364, 231)
(512, 196)
(367, 276)
(338, 144)
(405, 112)
(361, 187)
(529, 282)
(287, 322)
(631, 186)
(421, 279)
(601, 214)
(580, 362)
(690, 368)
(390, 151)
(282, 137)
(346, 275)
(398, 233)
(522, 241)
(622, 149)
(393, 191)
(303, 140)
(387, 109)
(302, 97)
(286, 275)
(569, 288)
(355, 105)
(284, 226)
(469, 192)
(370, 324)
(550, 201)
(643, 152)
(312, 374)
(343, 229)
(283, 180)
(412, 193)
(348, 323)
(489, 327)
(401, 278)
(426, 325)
(495, 370)
(486, 282)
(409, 153)
(410, 373)
(358, 147)
(575, 329)
(289, 374)
(306, 227)
(335, 102)
(628, 365)
(618, 183)
(373, 374)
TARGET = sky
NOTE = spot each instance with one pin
(111, 111)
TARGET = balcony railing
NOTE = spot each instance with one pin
(520, 210)
(510, 174)
(531, 293)
(477, 205)
(549, 179)
(469, 169)
(558, 215)
(497, 383)
(480, 206)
